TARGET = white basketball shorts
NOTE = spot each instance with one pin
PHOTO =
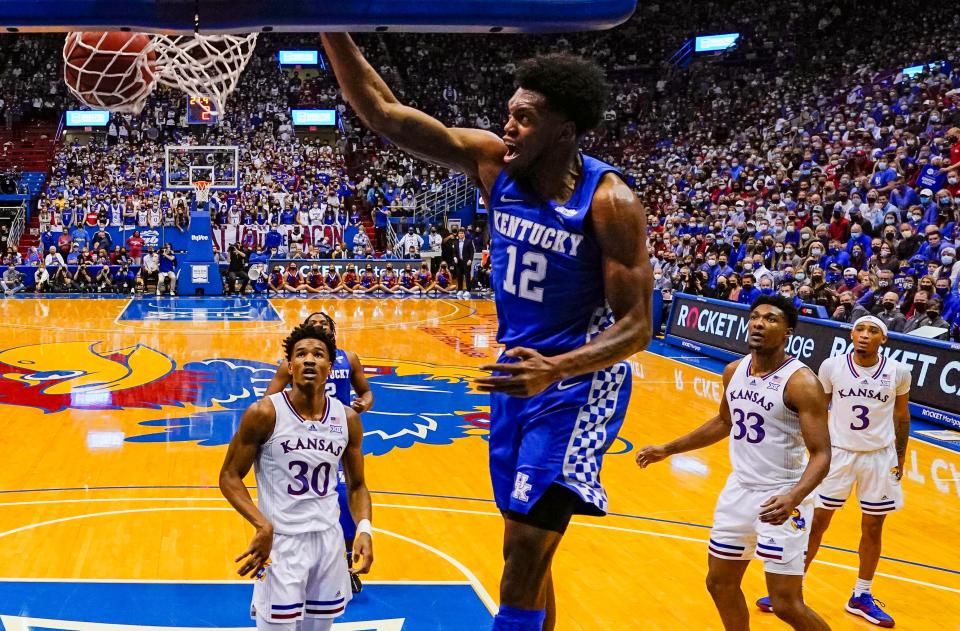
(875, 474)
(738, 534)
(307, 576)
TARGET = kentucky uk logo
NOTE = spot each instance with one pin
(415, 402)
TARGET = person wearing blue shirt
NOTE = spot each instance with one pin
(902, 196)
(49, 238)
(168, 269)
(273, 239)
(882, 176)
(287, 217)
(930, 251)
(834, 255)
(748, 292)
(948, 297)
(259, 256)
(80, 237)
(857, 237)
(381, 219)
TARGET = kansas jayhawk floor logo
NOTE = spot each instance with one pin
(415, 402)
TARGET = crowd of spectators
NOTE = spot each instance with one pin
(803, 161)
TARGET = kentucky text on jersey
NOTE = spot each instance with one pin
(537, 234)
(316, 444)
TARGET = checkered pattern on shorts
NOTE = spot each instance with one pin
(601, 320)
(581, 467)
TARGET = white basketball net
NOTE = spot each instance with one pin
(201, 189)
(198, 65)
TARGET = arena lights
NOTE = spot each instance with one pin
(327, 118)
(299, 57)
(87, 118)
(713, 43)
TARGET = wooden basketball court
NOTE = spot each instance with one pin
(115, 416)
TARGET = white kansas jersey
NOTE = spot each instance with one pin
(862, 400)
(296, 468)
(766, 446)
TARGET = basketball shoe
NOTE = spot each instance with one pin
(763, 604)
(866, 606)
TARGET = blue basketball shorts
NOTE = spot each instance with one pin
(558, 436)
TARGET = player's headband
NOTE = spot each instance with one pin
(872, 320)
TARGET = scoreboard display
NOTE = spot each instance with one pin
(202, 110)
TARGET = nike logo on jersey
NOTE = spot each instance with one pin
(566, 212)
(566, 385)
(509, 200)
(537, 234)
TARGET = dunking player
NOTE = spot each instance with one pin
(869, 430)
(772, 407)
(296, 440)
(347, 373)
(573, 284)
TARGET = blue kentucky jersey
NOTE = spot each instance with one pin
(338, 383)
(546, 267)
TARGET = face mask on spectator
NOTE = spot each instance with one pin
(856, 234)
(944, 201)
(947, 259)
(907, 234)
(883, 283)
(889, 305)
(711, 262)
(933, 314)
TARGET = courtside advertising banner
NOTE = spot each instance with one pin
(719, 329)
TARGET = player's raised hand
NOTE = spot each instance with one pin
(651, 454)
(362, 550)
(258, 554)
(533, 374)
(777, 509)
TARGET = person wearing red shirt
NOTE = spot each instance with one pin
(839, 227)
(90, 219)
(135, 247)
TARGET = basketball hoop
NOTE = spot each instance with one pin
(201, 188)
(119, 70)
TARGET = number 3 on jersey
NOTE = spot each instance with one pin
(534, 270)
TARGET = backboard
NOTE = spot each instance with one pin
(186, 164)
(253, 16)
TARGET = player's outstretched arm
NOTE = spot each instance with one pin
(358, 380)
(256, 426)
(804, 394)
(713, 431)
(474, 152)
(358, 497)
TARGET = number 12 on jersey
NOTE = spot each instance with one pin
(534, 270)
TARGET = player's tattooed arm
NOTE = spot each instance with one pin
(358, 379)
(358, 497)
(901, 429)
(713, 431)
(804, 394)
(256, 426)
(475, 152)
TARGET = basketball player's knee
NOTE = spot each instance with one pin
(787, 605)
(720, 587)
(872, 528)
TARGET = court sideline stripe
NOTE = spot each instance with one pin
(471, 577)
(401, 494)
(478, 587)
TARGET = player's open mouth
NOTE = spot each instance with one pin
(511, 152)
